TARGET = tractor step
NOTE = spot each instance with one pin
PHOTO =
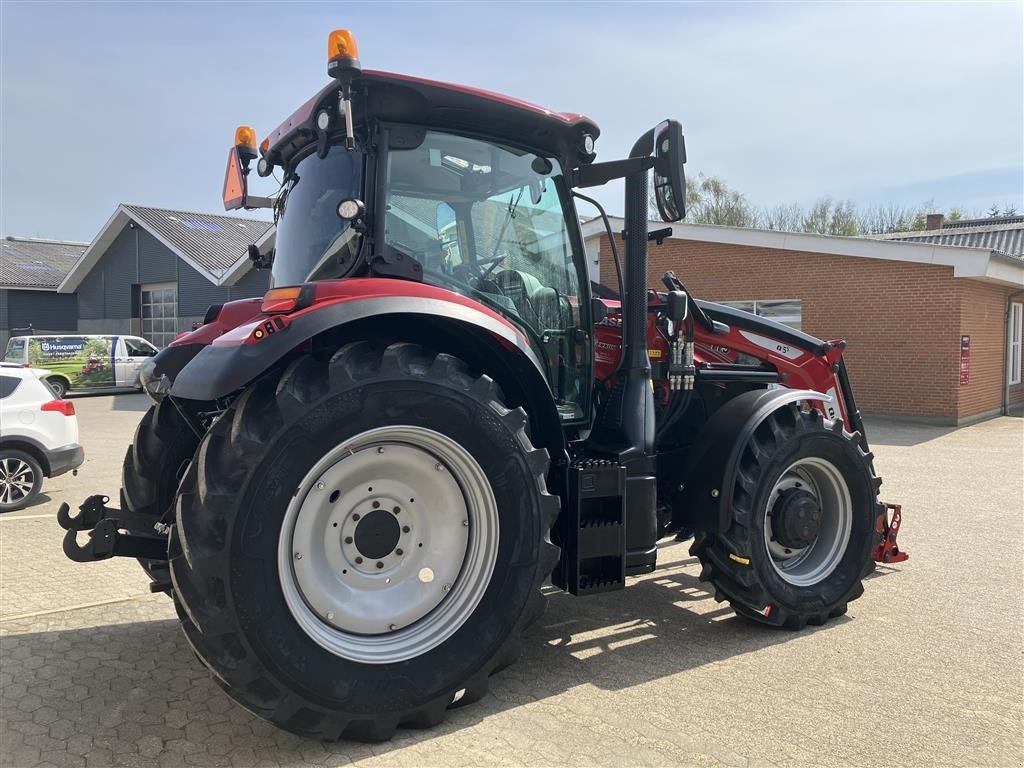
(594, 539)
(106, 540)
(888, 550)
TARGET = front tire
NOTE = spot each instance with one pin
(803, 527)
(315, 603)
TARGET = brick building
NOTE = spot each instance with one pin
(934, 330)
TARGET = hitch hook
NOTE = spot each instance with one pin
(888, 551)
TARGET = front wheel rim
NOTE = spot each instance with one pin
(809, 565)
(16, 480)
(388, 544)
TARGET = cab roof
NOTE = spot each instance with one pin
(402, 98)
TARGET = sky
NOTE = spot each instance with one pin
(103, 103)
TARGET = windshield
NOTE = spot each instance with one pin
(15, 350)
(313, 241)
(489, 221)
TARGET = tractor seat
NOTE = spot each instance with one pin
(537, 304)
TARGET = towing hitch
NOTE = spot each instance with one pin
(888, 550)
(104, 526)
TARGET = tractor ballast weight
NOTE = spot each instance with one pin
(354, 487)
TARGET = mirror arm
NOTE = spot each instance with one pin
(251, 201)
(596, 174)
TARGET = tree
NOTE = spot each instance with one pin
(710, 200)
(784, 218)
(831, 217)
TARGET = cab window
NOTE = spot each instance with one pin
(489, 221)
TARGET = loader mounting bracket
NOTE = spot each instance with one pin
(105, 538)
(888, 550)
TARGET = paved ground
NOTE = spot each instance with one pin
(926, 669)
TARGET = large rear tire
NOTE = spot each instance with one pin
(153, 466)
(360, 541)
(803, 527)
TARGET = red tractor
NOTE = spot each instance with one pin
(355, 487)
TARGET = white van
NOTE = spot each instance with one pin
(82, 363)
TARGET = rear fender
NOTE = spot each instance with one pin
(484, 340)
(704, 500)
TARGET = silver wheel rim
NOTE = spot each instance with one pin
(808, 565)
(404, 485)
(16, 480)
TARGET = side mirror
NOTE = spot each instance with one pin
(236, 190)
(669, 176)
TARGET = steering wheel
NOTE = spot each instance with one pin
(493, 261)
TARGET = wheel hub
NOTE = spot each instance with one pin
(377, 534)
(807, 522)
(796, 518)
(388, 544)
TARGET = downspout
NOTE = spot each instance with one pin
(1006, 350)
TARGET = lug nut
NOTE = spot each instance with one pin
(398, 552)
(376, 505)
(319, 486)
(359, 560)
(380, 564)
(355, 516)
(348, 539)
(405, 529)
(396, 510)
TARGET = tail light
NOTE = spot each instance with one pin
(60, 406)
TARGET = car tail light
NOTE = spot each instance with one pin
(61, 406)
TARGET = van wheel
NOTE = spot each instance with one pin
(59, 386)
(20, 479)
(153, 467)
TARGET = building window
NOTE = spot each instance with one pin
(159, 306)
(786, 311)
(1013, 353)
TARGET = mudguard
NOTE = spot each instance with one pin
(241, 355)
(704, 501)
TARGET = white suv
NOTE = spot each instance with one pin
(38, 436)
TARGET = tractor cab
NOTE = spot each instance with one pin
(489, 221)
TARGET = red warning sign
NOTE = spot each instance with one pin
(965, 360)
